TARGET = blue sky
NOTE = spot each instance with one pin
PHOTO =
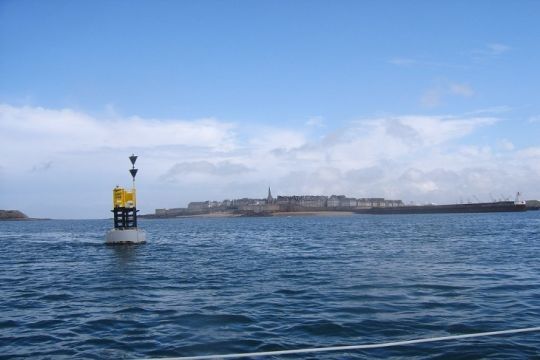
(271, 83)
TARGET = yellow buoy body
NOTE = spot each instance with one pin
(124, 198)
(125, 214)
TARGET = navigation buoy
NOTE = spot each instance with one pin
(125, 214)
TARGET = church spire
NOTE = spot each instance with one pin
(269, 198)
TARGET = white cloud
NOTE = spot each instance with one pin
(530, 153)
(435, 96)
(490, 51)
(68, 130)
(421, 158)
(506, 144)
(534, 119)
(461, 89)
(431, 98)
(487, 51)
(315, 121)
(497, 48)
(491, 110)
(201, 170)
(268, 139)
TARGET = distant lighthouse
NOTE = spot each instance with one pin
(125, 214)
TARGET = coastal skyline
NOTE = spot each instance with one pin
(425, 102)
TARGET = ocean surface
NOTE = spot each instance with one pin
(226, 285)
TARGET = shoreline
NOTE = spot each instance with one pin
(210, 215)
(273, 214)
(312, 213)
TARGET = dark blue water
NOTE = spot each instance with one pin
(207, 286)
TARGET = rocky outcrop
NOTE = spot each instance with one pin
(12, 215)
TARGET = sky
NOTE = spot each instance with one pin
(424, 101)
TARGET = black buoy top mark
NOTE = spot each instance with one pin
(133, 171)
(133, 158)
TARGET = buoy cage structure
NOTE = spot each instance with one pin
(125, 214)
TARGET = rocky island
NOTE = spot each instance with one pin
(12, 215)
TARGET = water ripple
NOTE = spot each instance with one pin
(207, 286)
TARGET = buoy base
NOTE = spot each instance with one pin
(126, 236)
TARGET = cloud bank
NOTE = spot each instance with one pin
(63, 163)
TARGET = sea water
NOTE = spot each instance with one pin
(226, 285)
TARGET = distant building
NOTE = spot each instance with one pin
(310, 201)
(341, 201)
(289, 203)
(347, 202)
(394, 203)
(281, 203)
(370, 202)
(199, 205)
(255, 205)
(245, 201)
(161, 212)
(226, 203)
(363, 203)
(377, 202)
(334, 201)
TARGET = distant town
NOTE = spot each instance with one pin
(279, 204)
